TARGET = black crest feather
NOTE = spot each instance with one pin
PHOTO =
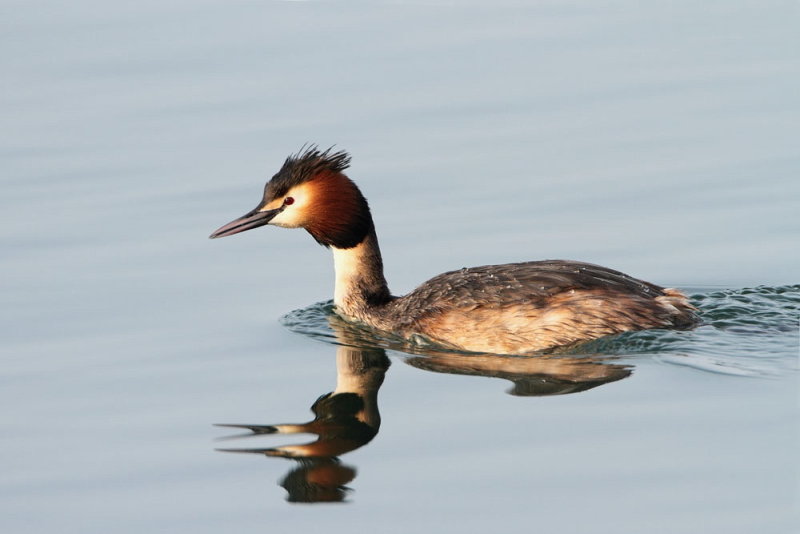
(301, 167)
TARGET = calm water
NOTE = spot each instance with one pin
(661, 141)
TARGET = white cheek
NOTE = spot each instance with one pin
(292, 215)
(288, 218)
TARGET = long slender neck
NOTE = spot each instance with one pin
(360, 283)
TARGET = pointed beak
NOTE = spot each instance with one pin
(253, 219)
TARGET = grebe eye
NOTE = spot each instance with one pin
(288, 201)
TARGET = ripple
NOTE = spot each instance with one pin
(745, 332)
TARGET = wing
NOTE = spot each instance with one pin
(520, 307)
(534, 283)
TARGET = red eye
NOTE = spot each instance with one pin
(288, 201)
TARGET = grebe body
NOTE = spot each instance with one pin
(513, 308)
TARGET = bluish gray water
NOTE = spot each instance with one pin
(660, 140)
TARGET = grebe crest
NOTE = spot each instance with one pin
(512, 308)
(310, 191)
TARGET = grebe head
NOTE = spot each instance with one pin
(311, 191)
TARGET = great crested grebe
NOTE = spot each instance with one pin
(514, 308)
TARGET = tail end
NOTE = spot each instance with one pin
(682, 314)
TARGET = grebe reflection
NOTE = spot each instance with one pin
(532, 376)
(344, 420)
(348, 417)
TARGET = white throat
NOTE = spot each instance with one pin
(347, 265)
(360, 284)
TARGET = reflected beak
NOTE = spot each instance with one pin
(254, 219)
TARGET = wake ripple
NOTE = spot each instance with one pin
(745, 332)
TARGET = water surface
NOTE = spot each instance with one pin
(657, 140)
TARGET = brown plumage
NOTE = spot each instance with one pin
(532, 306)
(511, 309)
